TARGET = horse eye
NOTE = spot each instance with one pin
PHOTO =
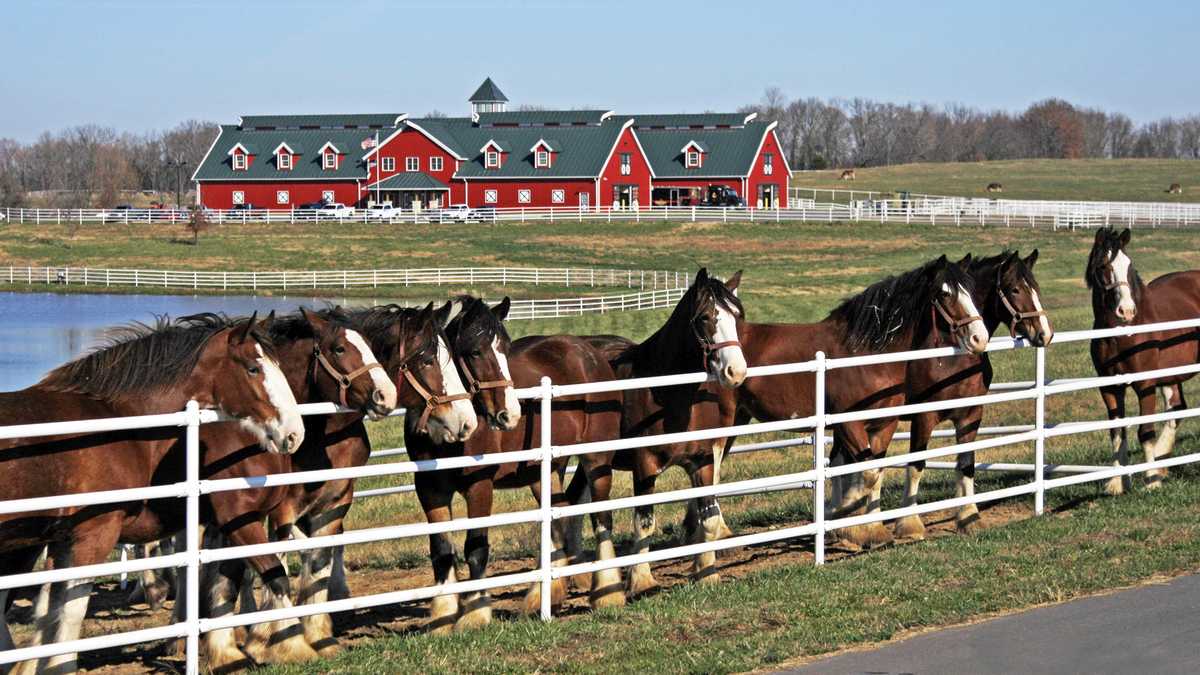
(253, 370)
(339, 350)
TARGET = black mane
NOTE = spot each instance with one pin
(983, 270)
(141, 359)
(678, 325)
(293, 327)
(475, 324)
(888, 309)
(1108, 242)
(375, 325)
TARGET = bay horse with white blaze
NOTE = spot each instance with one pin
(1006, 293)
(929, 306)
(1121, 298)
(700, 334)
(229, 365)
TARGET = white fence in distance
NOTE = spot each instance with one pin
(192, 487)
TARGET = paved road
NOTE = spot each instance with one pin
(1153, 629)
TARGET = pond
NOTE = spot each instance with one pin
(39, 331)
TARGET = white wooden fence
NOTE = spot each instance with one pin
(817, 424)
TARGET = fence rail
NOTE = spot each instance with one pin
(545, 452)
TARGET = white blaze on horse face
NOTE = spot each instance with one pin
(975, 338)
(511, 405)
(731, 363)
(1126, 308)
(285, 433)
(1043, 320)
(460, 422)
(383, 384)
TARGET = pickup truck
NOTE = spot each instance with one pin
(336, 210)
(382, 212)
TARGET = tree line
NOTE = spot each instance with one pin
(90, 165)
(819, 134)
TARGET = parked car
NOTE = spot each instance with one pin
(722, 195)
(461, 213)
(118, 214)
(336, 210)
(311, 206)
(243, 207)
(382, 212)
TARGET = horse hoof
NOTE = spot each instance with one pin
(642, 584)
(581, 583)
(910, 527)
(290, 650)
(1115, 486)
(610, 599)
(871, 535)
(474, 619)
(533, 599)
(329, 649)
(707, 577)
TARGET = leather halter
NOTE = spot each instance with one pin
(956, 325)
(432, 400)
(475, 386)
(1017, 317)
(344, 380)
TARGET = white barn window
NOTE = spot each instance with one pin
(693, 159)
(558, 196)
(239, 162)
(282, 197)
(626, 163)
(768, 164)
(489, 196)
(542, 159)
(524, 196)
(239, 197)
(435, 164)
(389, 163)
(412, 163)
(330, 160)
(492, 159)
(285, 160)
(327, 196)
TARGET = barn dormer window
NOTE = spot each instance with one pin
(239, 162)
(329, 156)
(541, 159)
(693, 155)
(768, 164)
(693, 159)
(285, 161)
(492, 159)
(330, 160)
(283, 157)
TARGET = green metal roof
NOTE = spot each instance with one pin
(368, 120)
(544, 117)
(410, 180)
(727, 152)
(687, 120)
(487, 92)
(579, 151)
(306, 143)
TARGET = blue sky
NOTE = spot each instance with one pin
(142, 64)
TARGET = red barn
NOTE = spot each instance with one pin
(497, 158)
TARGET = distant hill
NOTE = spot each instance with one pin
(1139, 180)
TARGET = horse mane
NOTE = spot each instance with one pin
(878, 316)
(139, 358)
(293, 327)
(984, 269)
(1108, 242)
(682, 315)
(475, 321)
(375, 323)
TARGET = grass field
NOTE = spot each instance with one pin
(1136, 180)
(794, 272)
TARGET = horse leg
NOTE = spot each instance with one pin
(911, 527)
(1114, 402)
(606, 588)
(476, 609)
(220, 582)
(280, 641)
(720, 447)
(64, 606)
(316, 567)
(558, 558)
(1148, 405)
(578, 492)
(965, 429)
(706, 527)
(641, 579)
(338, 588)
(1172, 400)
(435, 494)
(15, 562)
(860, 491)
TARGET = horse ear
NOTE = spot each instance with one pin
(1101, 233)
(500, 311)
(442, 314)
(701, 276)
(1029, 261)
(265, 324)
(966, 260)
(316, 322)
(243, 333)
(1125, 237)
(425, 312)
(734, 281)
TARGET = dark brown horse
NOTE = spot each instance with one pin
(700, 334)
(220, 363)
(1006, 293)
(929, 306)
(1120, 298)
(414, 362)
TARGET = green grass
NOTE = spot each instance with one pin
(1138, 180)
(777, 615)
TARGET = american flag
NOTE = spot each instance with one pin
(368, 142)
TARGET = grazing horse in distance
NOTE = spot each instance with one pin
(229, 365)
(1175, 189)
(995, 187)
(848, 174)
(1121, 298)
(701, 333)
(929, 306)
(1006, 293)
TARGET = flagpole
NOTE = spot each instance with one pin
(378, 168)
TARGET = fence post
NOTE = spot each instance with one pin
(192, 600)
(547, 546)
(819, 462)
(1039, 445)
